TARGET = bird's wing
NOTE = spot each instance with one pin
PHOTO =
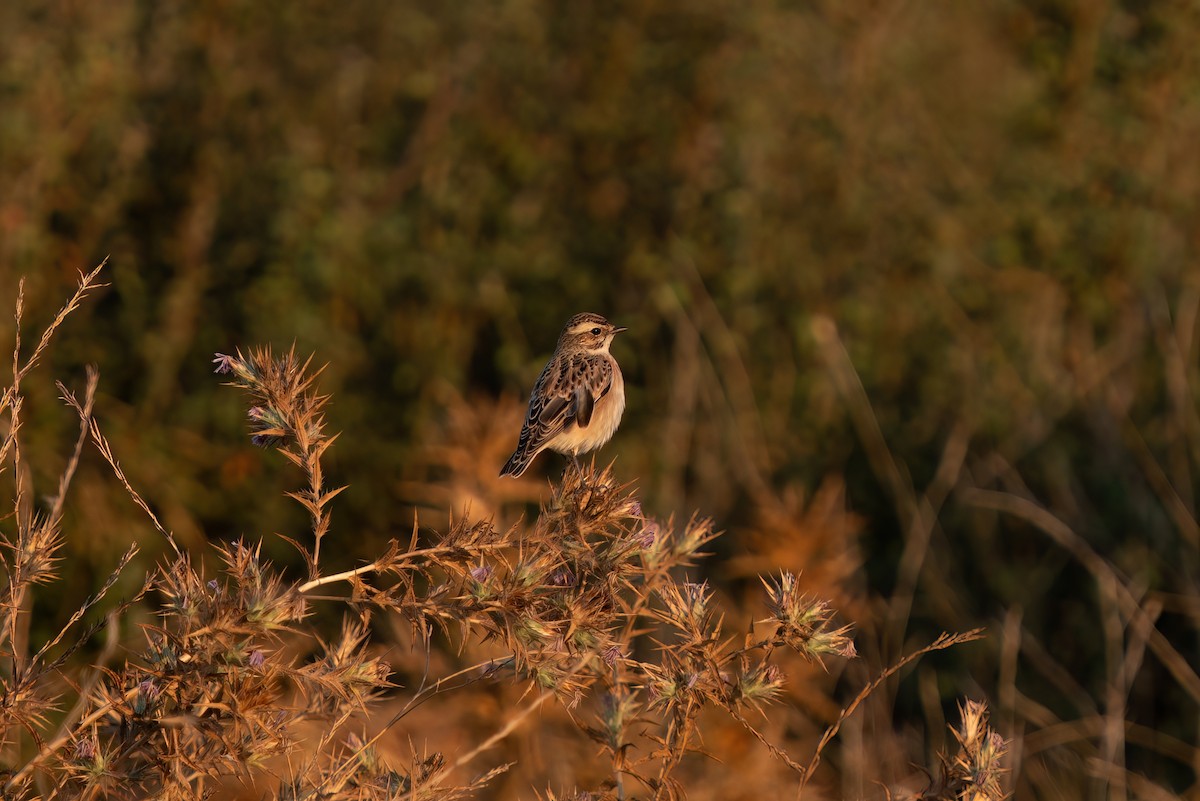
(595, 379)
(590, 380)
(545, 418)
(564, 396)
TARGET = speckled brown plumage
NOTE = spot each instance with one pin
(578, 400)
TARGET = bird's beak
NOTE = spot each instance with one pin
(619, 329)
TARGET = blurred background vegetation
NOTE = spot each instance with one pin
(912, 291)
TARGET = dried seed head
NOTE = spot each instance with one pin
(759, 684)
(696, 534)
(687, 605)
(976, 768)
(802, 621)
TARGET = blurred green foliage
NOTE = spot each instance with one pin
(995, 203)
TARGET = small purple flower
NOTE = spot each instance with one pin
(147, 694)
(148, 689)
(257, 658)
(224, 363)
(635, 509)
(563, 578)
(481, 573)
(85, 749)
(611, 654)
(260, 440)
(255, 413)
(648, 535)
(213, 585)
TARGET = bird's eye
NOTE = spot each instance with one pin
(595, 332)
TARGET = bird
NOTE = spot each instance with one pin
(577, 402)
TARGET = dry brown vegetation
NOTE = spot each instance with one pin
(913, 301)
(587, 609)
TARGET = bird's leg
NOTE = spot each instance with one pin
(578, 470)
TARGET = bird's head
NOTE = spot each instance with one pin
(588, 332)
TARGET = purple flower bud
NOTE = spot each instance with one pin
(213, 585)
(481, 573)
(85, 749)
(260, 440)
(257, 658)
(563, 578)
(224, 364)
(148, 689)
(635, 509)
(611, 654)
(648, 535)
(146, 695)
(255, 413)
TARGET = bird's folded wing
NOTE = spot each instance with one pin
(592, 382)
(582, 403)
(567, 399)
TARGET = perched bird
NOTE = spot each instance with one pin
(577, 401)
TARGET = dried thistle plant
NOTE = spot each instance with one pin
(570, 599)
(588, 606)
(975, 772)
(288, 415)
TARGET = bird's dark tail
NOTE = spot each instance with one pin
(516, 464)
